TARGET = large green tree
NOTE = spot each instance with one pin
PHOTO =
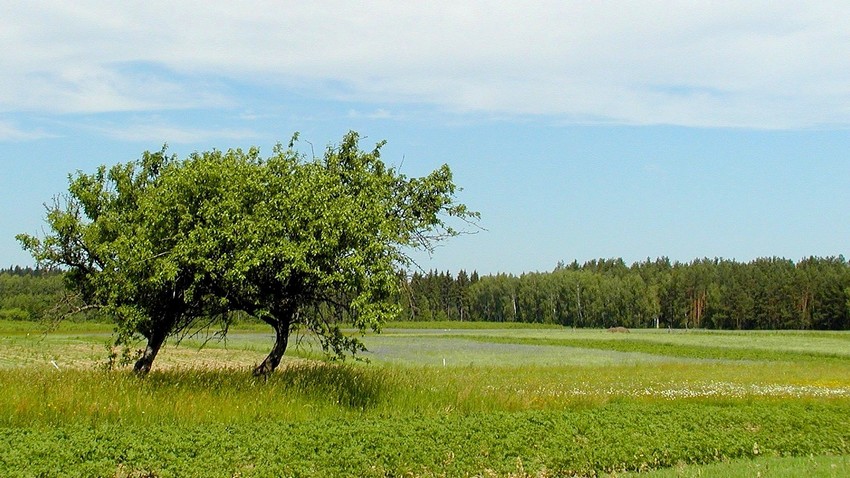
(119, 260)
(163, 243)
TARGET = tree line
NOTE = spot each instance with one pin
(27, 293)
(766, 293)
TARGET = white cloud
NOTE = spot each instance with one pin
(378, 114)
(10, 132)
(156, 130)
(739, 64)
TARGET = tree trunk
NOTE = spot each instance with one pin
(281, 328)
(143, 365)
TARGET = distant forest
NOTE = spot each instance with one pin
(27, 294)
(767, 293)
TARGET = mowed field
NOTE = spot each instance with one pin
(444, 399)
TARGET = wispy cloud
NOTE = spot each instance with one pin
(106, 88)
(10, 132)
(378, 114)
(156, 130)
(251, 115)
(730, 64)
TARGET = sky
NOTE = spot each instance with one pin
(578, 129)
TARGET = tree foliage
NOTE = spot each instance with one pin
(766, 293)
(164, 244)
(29, 294)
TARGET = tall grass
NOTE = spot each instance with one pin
(300, 391)
(304, 389)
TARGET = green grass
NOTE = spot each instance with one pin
(702, 344)
(673, 348)
(506, 402)
(8, 327)
(587, 440)
(773, 467)
(469, 325)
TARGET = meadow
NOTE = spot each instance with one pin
(438, 399)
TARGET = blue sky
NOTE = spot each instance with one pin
(579, 130)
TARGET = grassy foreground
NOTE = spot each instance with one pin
(583, 441)
(775, 467)
(433, 402)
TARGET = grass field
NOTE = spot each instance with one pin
(449, 400)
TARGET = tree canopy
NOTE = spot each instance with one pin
(765, 293)
(165, 244)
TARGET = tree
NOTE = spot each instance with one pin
(294, 241)
(113, 256)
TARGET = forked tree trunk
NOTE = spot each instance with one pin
(281, 329)
(143, 365)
